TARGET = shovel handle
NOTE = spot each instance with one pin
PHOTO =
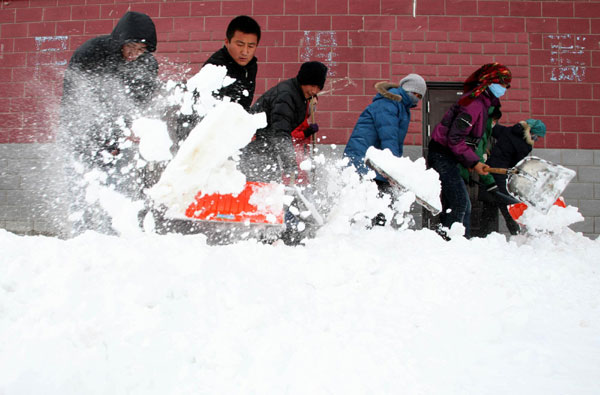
(497, 170)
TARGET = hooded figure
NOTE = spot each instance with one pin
(108, 77)
(384, 123)
(512, 144)
(109, 80)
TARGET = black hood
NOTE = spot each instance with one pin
(137, 27)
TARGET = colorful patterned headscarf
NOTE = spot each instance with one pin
(483, 77)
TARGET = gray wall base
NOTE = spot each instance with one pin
(32, 200)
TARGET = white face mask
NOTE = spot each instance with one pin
(498, 90)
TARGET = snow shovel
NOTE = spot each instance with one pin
(317, 217)
(420, 200)
(536, 181)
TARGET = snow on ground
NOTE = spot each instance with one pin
(360, 312)
(352, 311)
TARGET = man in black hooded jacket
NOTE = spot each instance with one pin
(108, 78)
(109, 81)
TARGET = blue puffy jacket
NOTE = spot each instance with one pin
(383, 124)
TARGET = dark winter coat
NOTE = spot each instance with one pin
(383, 124)
(461, 129)
(242, 90)
(513, 143)
(285, 108)
(100, 87)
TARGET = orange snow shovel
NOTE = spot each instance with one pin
(237, 209)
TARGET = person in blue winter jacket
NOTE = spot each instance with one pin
(384, 124)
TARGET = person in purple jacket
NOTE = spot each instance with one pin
(454, 139)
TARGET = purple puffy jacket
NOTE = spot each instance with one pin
(461, 128)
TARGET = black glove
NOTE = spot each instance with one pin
(311, 129)
(487, 192)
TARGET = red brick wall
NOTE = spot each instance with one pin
(552, 47)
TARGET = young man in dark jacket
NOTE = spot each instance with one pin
(242, 38)
(285, 106)
(109, 80)
(237, 55)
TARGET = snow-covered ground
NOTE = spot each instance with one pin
(362, 312)
(351, 311)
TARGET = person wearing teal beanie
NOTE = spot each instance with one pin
(512, 143)
(538, 128)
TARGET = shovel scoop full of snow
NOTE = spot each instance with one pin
(406, 175)
(536, 181)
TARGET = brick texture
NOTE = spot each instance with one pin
(551, 47)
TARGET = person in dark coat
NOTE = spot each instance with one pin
(109, 81)
(237, 55)
(454, 139)
(108, 77)
(242, 38)
(285, 106)
(512, 144)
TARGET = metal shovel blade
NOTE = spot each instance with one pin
(396, 184)
(538, 182)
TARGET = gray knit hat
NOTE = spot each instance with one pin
(414, 83)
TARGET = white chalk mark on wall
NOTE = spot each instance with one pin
(566, 51)
(414, 8)
(46, 45)
(319, 46)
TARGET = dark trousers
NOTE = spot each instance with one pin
(511, 224)
(456, 205)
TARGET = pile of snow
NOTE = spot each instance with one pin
(359, 312)
(555, 221)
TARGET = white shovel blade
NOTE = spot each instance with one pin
(538, 182)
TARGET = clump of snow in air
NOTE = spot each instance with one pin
(155, 142)
(206, 160)
(414, 176)
(354, 202)
(121, 210)
(198, 95)
(201, 165)
(268, 198)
